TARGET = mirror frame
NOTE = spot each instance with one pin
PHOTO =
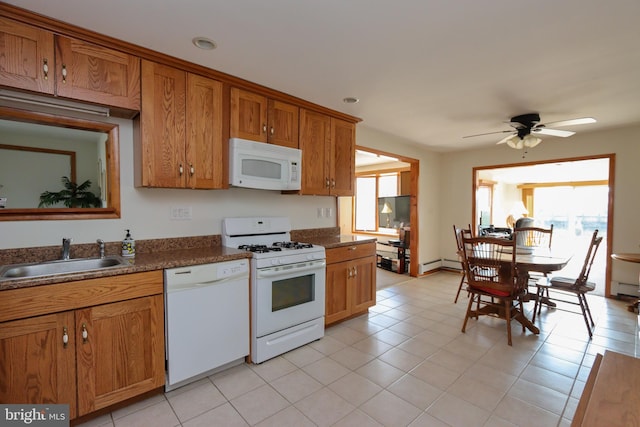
(112, 210)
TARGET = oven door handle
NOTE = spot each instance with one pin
(278, 271)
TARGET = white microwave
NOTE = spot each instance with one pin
(264, 166)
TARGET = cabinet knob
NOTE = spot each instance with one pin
(64, 73)
(191, 169)
(180, 169)
(65, 337)
(85, 333)
(264, 128)
(272, 131)
(45, 68)
(327, 182)
(333, 183)
(355, 272)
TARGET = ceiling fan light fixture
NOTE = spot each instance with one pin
(515, 142)
(531, 141)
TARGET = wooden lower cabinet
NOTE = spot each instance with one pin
(90, 358)
(350, 281)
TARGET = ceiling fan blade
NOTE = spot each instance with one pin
(505, 139)
(488, 133)
(572, 122)
(553, 132)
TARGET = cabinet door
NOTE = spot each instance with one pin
(283, 124)
(36, 365)
(96, 74)
(122, 355)
(248, 115)
(315, 141)
(337, 293)
(206, 152)
(363, 287)
(27, 60)
(161, 154)
(342, 158)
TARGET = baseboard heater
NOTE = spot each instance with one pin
(625, 289)
(429, 266)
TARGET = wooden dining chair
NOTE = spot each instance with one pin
(493, 284)
(576, 286)
(533, 238)
(459, 232)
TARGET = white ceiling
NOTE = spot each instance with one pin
(430, 71)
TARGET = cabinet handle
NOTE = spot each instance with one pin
(264, 128)
(85, 333)
(349, 273)
(327, 182)
(64, 73)
(45, 68)
(65, 337)
(180, 169)
(353, 248)
(272, 131)
(191, 169)
(355, 272)
(333, 183)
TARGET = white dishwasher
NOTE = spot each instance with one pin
(206, 319)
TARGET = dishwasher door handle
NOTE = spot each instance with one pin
(204, 284)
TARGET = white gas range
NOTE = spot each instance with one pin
(287, 284)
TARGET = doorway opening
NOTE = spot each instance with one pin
(575, 195)
(385, 201)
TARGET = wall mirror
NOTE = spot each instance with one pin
(43, 152)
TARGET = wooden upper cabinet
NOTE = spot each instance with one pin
(162, 127)
(96, 74)
(37, 60)
(206, 152)
(282, 125)
(248, 115)
(27, 59)
(257, 118)
(179, 143)
(342, 164)
(315, 143)
(328, 154)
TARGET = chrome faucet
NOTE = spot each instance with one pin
(66, 246)
(100, 243)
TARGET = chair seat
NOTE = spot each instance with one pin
(568, 284)
(494, 292)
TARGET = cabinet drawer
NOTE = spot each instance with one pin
(34, 301)
(354, 251)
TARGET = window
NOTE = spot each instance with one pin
(368, 188)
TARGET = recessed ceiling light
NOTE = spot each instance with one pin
(350, 100)
(204, 43)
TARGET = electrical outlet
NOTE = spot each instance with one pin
(320, 212)
(180, 213)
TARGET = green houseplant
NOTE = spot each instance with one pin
(72, 196)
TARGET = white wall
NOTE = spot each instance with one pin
(625, 143)
(146, 211)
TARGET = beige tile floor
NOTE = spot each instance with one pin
(406, 363)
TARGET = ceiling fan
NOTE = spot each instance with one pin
(525, 127)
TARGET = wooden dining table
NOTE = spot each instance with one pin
(541, 260)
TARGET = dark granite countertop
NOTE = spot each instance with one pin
(156, 254)
(150, 261)
(341, 240)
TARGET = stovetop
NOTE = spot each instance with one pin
(268, 238)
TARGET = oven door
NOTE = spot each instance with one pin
(287, 295)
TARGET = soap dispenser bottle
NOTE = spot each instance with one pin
(128, 246)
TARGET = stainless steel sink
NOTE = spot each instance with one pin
(60, 267)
